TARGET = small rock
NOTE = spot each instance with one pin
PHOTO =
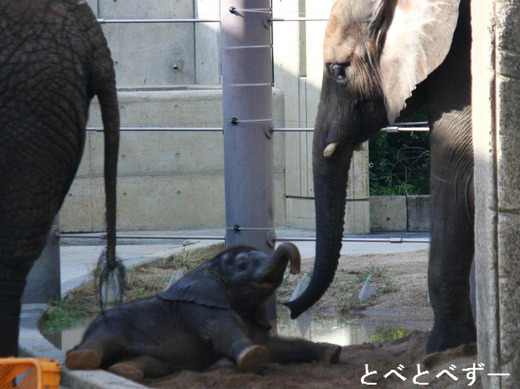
(367, 290)
(176, 277)
(189, 242)
(302, 285)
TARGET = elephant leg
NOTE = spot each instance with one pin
(228, 338)
(300, 350)
(16, 259)
(138, 368)
(11, 290)
(27, 209)
(452, 238)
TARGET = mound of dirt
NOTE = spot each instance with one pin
(401, 355)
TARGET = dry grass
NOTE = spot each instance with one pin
(142, 281)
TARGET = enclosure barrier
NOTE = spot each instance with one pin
(397, 127)
(100, 236)
(188, 20)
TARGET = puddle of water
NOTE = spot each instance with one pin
(332, 329)
(336, 329)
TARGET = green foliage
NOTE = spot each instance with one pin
(399, 164)
(383, 334)
(60, 315)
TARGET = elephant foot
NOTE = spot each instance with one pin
(83, 360)
(128, 371)
(253, 359)
(332, 354)
(443, 340)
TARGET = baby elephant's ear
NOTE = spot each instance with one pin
(198, 287)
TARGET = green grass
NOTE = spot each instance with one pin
(379, 278)
(61, 315)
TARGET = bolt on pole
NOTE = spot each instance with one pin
(248, 123)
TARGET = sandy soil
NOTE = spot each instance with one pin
(401, 300)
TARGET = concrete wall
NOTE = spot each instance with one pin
(496, 138)
(164, 54)
(165, 180)
(400, 213)
(156, 56)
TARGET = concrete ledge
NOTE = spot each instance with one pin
(400, 213)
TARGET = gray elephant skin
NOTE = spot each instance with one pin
(216, 311)
(53, 60)
(382, 61)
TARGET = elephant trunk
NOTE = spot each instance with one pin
(330, 187)
(285, 253)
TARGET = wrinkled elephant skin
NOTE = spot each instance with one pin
(216, 311)
(384, 60)
(53, 60)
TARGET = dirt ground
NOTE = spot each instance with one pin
(401, 301)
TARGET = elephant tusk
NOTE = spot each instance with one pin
(329, 150)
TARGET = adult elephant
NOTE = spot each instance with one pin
(53, 60)
(376, 53)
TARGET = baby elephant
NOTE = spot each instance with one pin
(216, 311)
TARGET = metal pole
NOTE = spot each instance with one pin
(43, 282)
(248, 123)
(150, 21)
(87, 236)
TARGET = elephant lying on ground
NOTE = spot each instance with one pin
(376, 52)
(53, 60)
(216, 311)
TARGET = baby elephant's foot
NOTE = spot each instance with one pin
(253, 359)
(86, 359)
(127, 370)
(332, 354)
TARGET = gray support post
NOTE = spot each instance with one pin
(248, 123)
(496, 140)
(43, 282)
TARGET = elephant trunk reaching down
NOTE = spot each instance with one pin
(330, 186)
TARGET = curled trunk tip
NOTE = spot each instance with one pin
(290, 252)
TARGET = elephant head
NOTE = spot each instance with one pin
(240, 278)
(375, 54)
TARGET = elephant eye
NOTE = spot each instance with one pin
(242, 266)
(339, 70)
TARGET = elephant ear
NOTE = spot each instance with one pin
(201, 287)
(413, 37)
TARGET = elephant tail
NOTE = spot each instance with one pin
(102, 82)
(112, 280)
